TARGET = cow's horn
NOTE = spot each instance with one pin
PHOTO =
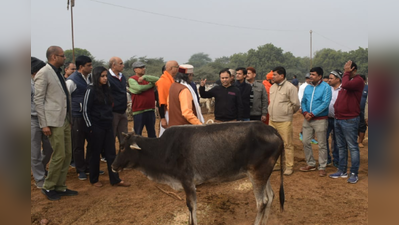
(125, 134)
(135, 146)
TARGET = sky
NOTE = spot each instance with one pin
(177, 29)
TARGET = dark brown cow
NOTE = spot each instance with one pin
(186, 156)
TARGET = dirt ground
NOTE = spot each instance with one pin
(309, 199)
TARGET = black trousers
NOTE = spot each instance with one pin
(79, 136)
(102, 139)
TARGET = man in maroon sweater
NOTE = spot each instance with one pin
(347, 110)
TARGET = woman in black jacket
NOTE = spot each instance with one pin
(97, 113)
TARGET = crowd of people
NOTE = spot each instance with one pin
(88, 105)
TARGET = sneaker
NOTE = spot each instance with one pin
(338, 174)
(353, 178)
(39, 184)
(314, 142)
(288, 172)
(72, 164)
(103, 159)
(82, 176)
(300, 136)
(67, 192)
(101, 172)
(51, 195)
(307, 168)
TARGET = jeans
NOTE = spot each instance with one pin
(335, 152)
(346, 135)
(146, 119)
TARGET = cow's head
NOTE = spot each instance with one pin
(128, 153)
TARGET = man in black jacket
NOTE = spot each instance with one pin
(245, 90)
(228, 104)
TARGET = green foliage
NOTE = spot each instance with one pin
(80, 52)
(199, 60)
(263, 59)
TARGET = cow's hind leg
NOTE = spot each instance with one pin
(264, 197)
(191, 201)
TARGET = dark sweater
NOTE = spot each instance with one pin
(347, 105)
(97, 113)
(245, 90)
(118, 91)
(228, 104)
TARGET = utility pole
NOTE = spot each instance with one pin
(73, 41)
(311, 51)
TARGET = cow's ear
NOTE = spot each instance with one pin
(135, 146)
(126, 135)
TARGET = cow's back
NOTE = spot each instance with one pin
(222, 152)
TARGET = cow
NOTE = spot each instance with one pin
(186, 156)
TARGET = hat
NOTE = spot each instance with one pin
(337, 73)
(35, 65)
(307, 76)
(138, 64)
(233, 72)
(269, 76)
(186, 68)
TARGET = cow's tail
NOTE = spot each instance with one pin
(282, 153)
(281, 194)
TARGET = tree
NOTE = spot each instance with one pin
(199, 60)
(80, 52)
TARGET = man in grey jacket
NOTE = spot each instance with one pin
(38, 159)
(53, 106)
(258, 97)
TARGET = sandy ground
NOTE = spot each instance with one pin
(309, 199)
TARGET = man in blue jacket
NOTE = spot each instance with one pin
(315, 102)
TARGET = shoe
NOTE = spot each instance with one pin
(67, 192)
(82, 176)
(288, 172)
(98, 184)
(329, 164)
(101, 172)
(72, 165)
(39, 184)
(103, 159)
(51, 195)
(122, 184)
(338, 174)
(361, 145)
(300, 136)
(307, 168)
(314, 142)
(353, 178)
(322, 173)
(276, 168)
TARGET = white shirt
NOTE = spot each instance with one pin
(113, 74)
(334, 97)
(301, 91)
(72, 86)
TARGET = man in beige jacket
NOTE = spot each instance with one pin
(284, 103)
(53, 106)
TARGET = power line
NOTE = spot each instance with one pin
(332, 40)
(193, 20)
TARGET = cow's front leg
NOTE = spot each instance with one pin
(191, 201)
